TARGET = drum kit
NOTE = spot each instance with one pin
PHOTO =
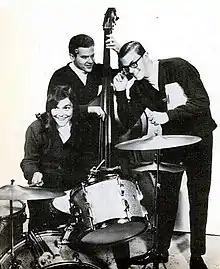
(103, 212)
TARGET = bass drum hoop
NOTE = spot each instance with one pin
(23, 245)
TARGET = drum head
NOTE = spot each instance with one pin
(62, 203)
(114, 233)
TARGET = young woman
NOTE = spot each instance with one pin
(52, 155)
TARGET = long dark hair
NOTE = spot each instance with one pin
(57, 93)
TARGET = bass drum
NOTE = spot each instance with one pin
(19, 217)
(63, 256)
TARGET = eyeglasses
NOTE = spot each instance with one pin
(126, 69)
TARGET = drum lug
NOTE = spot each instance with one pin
(83, 187)
(121, 186)
(140, 195)
(76, 214)
(90, 216)
(76, 258)
(126, 204)
(45, 259)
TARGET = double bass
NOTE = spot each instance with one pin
(106, 102)
(108, 207)
(111, 129)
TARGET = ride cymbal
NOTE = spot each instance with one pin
(158, 142)
(17, 192)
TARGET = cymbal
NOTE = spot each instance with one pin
(62, 203)
(158, 142)
(165, 167)
(5, 207)
(17, 192)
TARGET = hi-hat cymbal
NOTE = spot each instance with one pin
(17, 192)
(158, 142)
(165, 167)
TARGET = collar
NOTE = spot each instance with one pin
(80, 73)
(153, 78)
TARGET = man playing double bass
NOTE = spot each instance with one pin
(85, 77)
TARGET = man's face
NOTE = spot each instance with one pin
(134, 64)
(84, 59)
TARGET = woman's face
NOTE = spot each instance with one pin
(63, 113)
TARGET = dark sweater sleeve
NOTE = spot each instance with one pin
(130, 111)
(197, 103)
(30, 162)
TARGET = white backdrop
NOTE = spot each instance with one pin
(34, 43)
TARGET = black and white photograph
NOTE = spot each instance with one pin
(110, 141)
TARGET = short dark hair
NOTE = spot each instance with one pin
(131, 45)
(81, 40)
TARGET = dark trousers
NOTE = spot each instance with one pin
(197, 159)
(121, 254)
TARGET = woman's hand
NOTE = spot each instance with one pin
(37, 179)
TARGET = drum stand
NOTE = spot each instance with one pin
(152, 255)
(15, 263)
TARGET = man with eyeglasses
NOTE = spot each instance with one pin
(172, 94)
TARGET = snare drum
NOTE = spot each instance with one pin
(19, 218)
(64, 257)
(108, 211)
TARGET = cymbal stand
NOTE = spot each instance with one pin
(152, 255)
(15, 263)
(155, 219)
